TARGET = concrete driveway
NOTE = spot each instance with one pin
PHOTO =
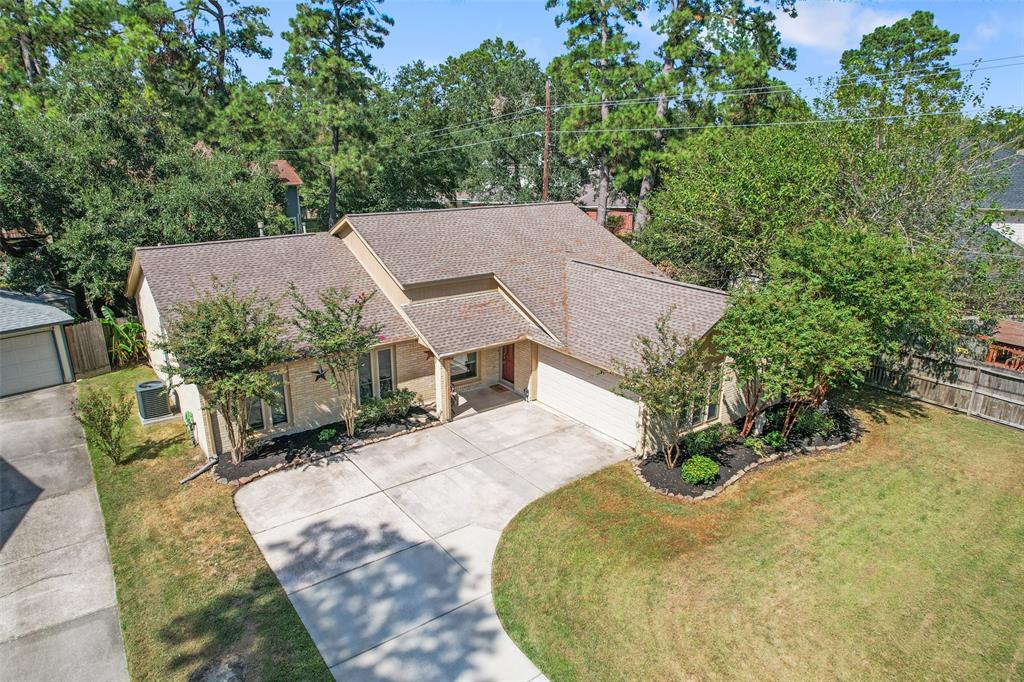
(58, 610)
(386, 553)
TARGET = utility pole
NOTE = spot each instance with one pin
(547, 137)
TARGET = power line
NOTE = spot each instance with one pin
(811, 121)
(766, 89)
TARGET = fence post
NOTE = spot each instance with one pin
(974, 390)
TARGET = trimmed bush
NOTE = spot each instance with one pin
(388, 409)
(327, 433)
(700, 470)
(707, 440)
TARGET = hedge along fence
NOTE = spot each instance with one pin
(968, 386)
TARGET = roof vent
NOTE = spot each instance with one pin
(153, 403)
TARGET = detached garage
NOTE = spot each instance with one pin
(33, 352)
(586, 393)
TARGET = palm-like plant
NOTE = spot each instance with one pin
(127, 339)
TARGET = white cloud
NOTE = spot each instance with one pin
(832, 26)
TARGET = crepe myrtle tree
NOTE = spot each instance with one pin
(223, 343)
(785, 340)
(673, 379)
(335, 335)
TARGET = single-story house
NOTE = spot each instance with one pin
(536, 298)
(1010, 199)
(33, 350)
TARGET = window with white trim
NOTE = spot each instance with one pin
(464, 366)
(376, 373)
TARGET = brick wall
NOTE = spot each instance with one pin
(524, 365)
(415, 368)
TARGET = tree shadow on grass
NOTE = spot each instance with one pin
(880, 406)
(154, 447)
(356, 586)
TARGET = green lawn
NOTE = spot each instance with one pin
(192, 586)
(901, 557)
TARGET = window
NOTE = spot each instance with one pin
(273, 411)
(463, 366)
(711, 413)
(376, 374)
(385, 381)
(278, 406)
(255, 416)
(365, 377)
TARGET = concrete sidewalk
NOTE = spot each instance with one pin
(58, 610)
(386, 552)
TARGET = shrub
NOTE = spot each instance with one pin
(774, 439)
(814, 422)
(704, 441)
(105, 418)
(387, 409)
(700, 470)
(327, 433)
(757, 445)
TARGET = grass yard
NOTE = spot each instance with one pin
(901, 557)
(191, 584)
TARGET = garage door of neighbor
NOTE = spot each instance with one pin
(28, 362)
(584, 392)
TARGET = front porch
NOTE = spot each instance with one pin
(482, 379)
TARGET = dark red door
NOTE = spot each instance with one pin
(508, 364)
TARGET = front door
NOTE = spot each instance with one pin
(508, 364)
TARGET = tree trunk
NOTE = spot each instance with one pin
(332, 192)
(647, 184)
(602, 163)
(222, 86)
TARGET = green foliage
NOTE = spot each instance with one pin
(327, 433)
(387, 409)
(901, 68)
(675, 375)
(223, 343)
(814, 423)
(106, 418)
(334, 334)
(758, 445)
(127, 339)
(784, 339)
(774, 439)
(707, 440)
(700, 470)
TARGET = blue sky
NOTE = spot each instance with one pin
(432, 30)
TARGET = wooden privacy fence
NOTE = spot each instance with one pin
(87, 347)
(968, 386)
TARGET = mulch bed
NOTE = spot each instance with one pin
(300, 448)
(735, 459)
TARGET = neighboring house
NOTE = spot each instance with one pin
(291, 180)
(1006, 345)
(1011, 199)
(517, 296)
(33, 350)
(621, 214)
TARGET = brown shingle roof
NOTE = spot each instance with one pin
(469, 321)
(1010, 332)
(527, 246)
(608, 308)
(314, 262)
(285, 172)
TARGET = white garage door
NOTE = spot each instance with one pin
(28, 362)
(584, 393)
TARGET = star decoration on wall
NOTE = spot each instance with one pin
(319, 373)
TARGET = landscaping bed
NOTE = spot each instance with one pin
(730, 457)
(273, 454)
(897, 558)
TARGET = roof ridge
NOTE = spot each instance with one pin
(662, 280)
(456, 208)
(227, 241)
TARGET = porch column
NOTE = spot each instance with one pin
(443, 388)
